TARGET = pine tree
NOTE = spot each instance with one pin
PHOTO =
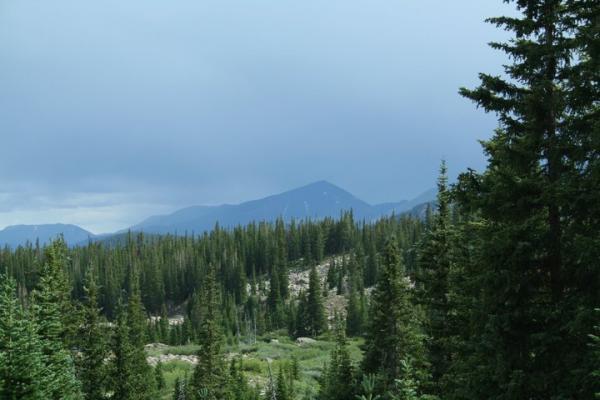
(302, 324)
(142, 380)
(368, 388)
(295, 367)
(23, 375)
(180, 390)
(536, 253)
(407, 387)
(131, 375)
(275, 301)
(281, 259)
(93, 348)
(122, 370)
(338, 378)
(282, 389)
(163, 325)
(159, 376)
(317, 322)
(210, 373)
(434, 264)
(394, 332)
(53, 310)
(355, 314)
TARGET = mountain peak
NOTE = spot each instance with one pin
(315, 200)
(15, 235)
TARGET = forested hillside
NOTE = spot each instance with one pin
(493, 294)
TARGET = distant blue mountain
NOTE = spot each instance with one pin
(317, 200)
(16, 235)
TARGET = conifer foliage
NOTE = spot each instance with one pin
(209, 380)
(52, 312)
(23, 374)
(394, 332)
(540, 281)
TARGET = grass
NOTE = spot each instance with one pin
(277, 350)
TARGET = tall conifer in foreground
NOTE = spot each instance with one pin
(93, 347)
(434, 264)
(22, 371)
(121, 368)
(52, 312)
(538, 199)
(143, 385)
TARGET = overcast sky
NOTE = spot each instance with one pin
(111, 111)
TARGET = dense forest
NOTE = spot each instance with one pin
(492, 293)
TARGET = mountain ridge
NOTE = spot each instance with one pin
(315, 200)
(15, 235)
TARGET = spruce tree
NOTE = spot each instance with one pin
(159, 376)
(355, 314)
(93, 347)
(122, 369)
(434, 264)
(180, 390)
(282, 390)
(210, 375)
(23, 375)
(338, 378)
(394, 332)
(317, 321)
(539, 277)
(53, 313)
(142, 380)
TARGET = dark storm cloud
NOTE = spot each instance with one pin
(105, 105)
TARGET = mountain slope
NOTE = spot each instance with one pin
(317, 200)
(16, 235)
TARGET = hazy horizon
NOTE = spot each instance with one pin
(112, 112)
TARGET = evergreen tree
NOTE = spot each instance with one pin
(282, 389)
(367, 388)
(538, 280)
(407, 387)
(434, 264)
(159, 376)
(295, 367)
(163, 325)
(355, 314)
(371, 268)
(210, 374)
(337, 382)
(23, 375)
(394, 332)
(93, 348)
(142, 380)
(317, 322)
(302, 325)
(275, 302)
(180, 390)
(122, 370)
(53, 311)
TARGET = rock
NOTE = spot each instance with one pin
(301, 341)
(165, 358)
(155, 346)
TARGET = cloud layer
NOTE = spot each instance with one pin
(110, 110)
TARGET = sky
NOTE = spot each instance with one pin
(112, 111)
